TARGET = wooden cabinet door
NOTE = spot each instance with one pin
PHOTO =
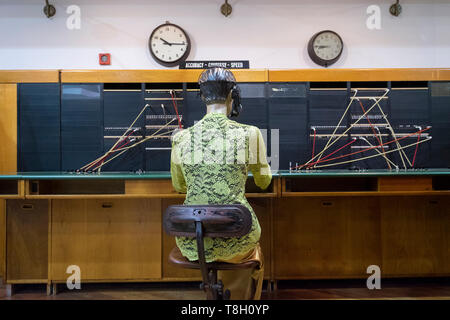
(107, 239)
(415, 236)
(326, 237)
(27, 240)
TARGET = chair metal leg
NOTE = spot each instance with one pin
(215, 293)
(214, 289)
(9, 290)
(49, 289)
(226, 294)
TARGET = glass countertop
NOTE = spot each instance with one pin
(54, 175)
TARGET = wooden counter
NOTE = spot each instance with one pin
(110, 226)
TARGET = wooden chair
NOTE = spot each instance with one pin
(215, 221)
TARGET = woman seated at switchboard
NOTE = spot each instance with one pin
(210, 162)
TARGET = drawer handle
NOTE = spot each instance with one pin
(107, 205)
(27, 206)
(327, 204)
(34, 187)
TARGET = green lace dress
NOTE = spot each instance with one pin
(210, 163)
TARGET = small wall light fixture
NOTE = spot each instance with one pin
(396, 9)
(49, 10)
(226, 9)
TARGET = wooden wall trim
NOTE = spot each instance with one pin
(250, 75)
(171, 75)
(24, 76)
(8, 128)
(399, 74)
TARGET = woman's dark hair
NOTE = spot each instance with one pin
(215, 86)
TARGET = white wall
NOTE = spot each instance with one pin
(270, 33)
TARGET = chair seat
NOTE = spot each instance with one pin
(176, 257)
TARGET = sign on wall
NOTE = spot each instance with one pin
(234, 64)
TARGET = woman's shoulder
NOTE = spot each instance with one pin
(234, 124)
(180, 135)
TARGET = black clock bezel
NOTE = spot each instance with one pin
(315, 58)
(179, 60)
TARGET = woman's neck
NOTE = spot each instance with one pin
(217, 108)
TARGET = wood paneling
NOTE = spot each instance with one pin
(23, 76)
(2, 239)
(263, 210)
(326, 237)
(381, 74)
(8, 128)
(303, 237)
(109, 240)
(415, 236)
(252, 75)
(27, 239)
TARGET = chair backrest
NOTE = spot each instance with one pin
(218, 221)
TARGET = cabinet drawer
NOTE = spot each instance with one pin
(27, 239)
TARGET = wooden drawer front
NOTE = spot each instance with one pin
(328, 237)
(108, 240)
(27, 239)
(405, 184)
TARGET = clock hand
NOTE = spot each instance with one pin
(178, 44)
(166, 42)
(321, 47)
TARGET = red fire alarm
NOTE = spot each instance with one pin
(104, 58)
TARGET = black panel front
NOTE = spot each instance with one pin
(120, 109)
(39, 127)
(327, 107)
(81, 124)
(288, 115)
(440, 145)
(65, 127)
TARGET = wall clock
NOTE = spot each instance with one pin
(325, 47)
(169, 44)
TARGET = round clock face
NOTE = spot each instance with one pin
(325, 47)
(169, 45)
